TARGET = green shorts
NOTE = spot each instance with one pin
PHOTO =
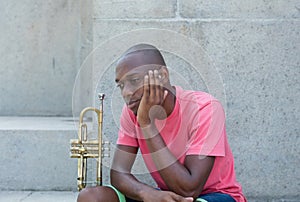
(120, 195)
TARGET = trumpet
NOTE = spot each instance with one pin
(82, 148)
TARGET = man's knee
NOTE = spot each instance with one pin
(97, 194)
(87, 194)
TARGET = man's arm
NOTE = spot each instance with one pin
(121, 176)
(185, 180)
(124, 181)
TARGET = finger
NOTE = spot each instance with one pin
(178, 198)
(165, 94)
(182, 199)
(189, 199)
(158, 87)
(146, 86)
(151, 83)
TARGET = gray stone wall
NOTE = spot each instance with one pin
(42, 46)
(246, 53)
(253, 46)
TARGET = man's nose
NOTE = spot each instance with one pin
(127, 92)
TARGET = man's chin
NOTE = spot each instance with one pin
(134, 111)
(134, 107)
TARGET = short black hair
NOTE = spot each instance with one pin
(146, 50)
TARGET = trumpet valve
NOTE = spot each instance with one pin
(105, 149)
(82, 150)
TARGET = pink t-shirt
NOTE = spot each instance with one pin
(195, 127)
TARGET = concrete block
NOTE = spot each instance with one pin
(257, 9)
(30, 196)
(105, 9)
(51, 196)
(40, 47)
(10, 196)
(259, 65)
(35, 154)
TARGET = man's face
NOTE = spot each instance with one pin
(130, 74)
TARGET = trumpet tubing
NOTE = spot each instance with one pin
(83, 148)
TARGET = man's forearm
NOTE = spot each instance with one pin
(129, 185)
(176, 176)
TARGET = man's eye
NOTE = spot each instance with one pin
(135, 81)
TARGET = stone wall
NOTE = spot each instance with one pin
(254, 48)
(246, 53)
(42, 46)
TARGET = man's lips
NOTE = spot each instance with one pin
(133, 103)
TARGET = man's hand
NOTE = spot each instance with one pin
(154, 95)
(165, 196)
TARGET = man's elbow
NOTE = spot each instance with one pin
(189, 191)
(114, 177)
(118, 179)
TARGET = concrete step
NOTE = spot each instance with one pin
(69, 196)
(30, 196)
(35, 153)
(35, 164)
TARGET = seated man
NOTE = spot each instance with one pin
(181, 135)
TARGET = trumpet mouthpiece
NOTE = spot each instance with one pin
(101, 96)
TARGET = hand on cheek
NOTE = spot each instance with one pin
(154, 96)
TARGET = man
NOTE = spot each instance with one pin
(181, 135)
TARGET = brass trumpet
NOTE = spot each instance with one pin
(82, 148)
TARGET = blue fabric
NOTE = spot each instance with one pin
(211, 197)
(130, 200)
(216, 197)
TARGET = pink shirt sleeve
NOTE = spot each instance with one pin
(208, 131)
(127, 134)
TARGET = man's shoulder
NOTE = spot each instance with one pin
(194, 96)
